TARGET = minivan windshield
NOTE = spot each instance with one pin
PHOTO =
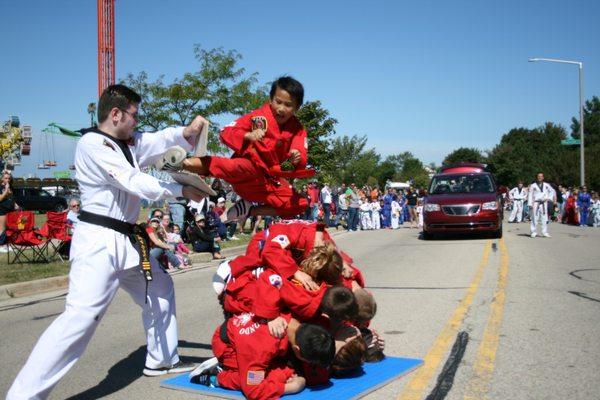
(461, 183)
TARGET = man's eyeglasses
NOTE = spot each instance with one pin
(74, 205)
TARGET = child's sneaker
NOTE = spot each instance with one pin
(206, 373)
(240, 210)
(172, 160)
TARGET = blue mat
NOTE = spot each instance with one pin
(374, 376)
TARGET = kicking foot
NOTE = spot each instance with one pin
(172, 160)
(546, 235)
(533, 234)
(240, 210)
(173, 369)
(222, 277)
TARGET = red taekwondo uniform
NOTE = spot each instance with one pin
(253, 361)
(281, 248)
(254, 170)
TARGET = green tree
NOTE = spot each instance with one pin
(219, 86)
(413, 170)
(522, 153)
(465, 154)
(319, 126)
(591, 124)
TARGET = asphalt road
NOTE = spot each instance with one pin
(531, 308)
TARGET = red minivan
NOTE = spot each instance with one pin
(463, 197)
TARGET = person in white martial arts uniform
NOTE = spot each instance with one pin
(517, 195)
(103, 256)
(365, 215)
(540, 193)
(375, 216)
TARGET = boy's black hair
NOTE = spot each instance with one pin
(290, 85)
(316, 344)
(340, 303)
(119, 96)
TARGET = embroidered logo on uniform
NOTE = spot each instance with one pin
(259, 122)
(281, 240)
(254, 378)
(276, 281)
(109, 144)
(242, 319)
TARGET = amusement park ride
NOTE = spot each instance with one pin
(15, 140)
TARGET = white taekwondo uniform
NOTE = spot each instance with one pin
(102, 260)
(518, 196)
(537, 200)
(375, 216)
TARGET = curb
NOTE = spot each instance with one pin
(22, 289)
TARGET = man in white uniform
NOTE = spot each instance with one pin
(517, 195)
(103, 257)
(539, 194)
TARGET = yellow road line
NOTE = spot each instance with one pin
(479, 384)
(416, 386)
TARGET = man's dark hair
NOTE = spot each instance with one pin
(290, 85)
(340, 303)
(156, 210)
(316, 344)
(119, 96)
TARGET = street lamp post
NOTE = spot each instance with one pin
(581, 145)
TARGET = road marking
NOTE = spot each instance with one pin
(483, 368)
(415, 388)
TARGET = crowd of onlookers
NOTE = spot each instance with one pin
(365, 208)
(569, 205)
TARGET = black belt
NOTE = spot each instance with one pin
(136, 234)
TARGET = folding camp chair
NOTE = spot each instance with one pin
(56, 232)
(21, 236)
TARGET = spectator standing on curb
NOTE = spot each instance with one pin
(342, 207)
(411, 203)
(353, 206)
(314, 193)
(326, 202)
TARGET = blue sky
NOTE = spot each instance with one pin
(426, 77)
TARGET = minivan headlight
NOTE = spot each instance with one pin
(429, 207)
(490, 205)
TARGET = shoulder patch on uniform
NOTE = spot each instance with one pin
(281, 240)
(259, 122)
(108, 144)
(254, 378)
(275, 280)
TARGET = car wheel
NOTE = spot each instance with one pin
(427, 235)
(59, 208)
(497, 234)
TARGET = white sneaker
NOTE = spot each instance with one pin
(546, 235)
(208, 367)
(172, 160)
(222, 277)
(240, 210)
(533, 234)
(178, 368)
(234, 238)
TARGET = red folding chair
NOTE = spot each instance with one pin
(21, 236)
(56, 232)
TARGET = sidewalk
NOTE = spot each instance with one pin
(199, 261)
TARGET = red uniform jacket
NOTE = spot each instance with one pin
(287, 244)
(259, 358)
(274, 295)
(275, 146)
